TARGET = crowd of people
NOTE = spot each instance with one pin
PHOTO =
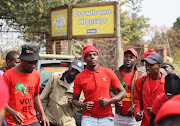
(86, 95)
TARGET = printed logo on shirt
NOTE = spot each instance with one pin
(104, 79)
(21, 88)
(128, 97)
(124, 85)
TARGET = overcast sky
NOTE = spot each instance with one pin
(161, 12)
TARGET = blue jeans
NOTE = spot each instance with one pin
(4, 123)
(91, 121)
(120, 120)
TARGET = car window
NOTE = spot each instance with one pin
(46, 71)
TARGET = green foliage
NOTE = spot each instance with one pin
(132, 24)
(173, 36)
(177, 65)
(177, 23)
(31, 15)
(34, 15)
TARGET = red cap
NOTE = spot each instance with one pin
(89, 48)
(4, 93)
(171, 107)
(133, 52)
(148, 52)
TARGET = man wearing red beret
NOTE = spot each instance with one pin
(95, 81)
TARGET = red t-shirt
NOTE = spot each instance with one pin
(127, 101)
(159, 101)
(5, 69)
(151, 89)
(4, 93)
(22, 87)
(95, 85)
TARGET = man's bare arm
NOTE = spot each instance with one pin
(85, 106)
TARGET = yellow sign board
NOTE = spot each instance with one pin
(93, 20)
(59, 23)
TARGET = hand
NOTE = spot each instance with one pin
(17, 117)
(70, 100)
(44, 120)
(87, 105)
(120, 103)
(139, 115)
(38, 116)
(131, 110)
(149, 110)
(104, 101)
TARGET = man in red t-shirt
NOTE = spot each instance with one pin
(127, 74)
(95, 81)
(147, 88)
(172, 88)
(12, 59)
(24, 85)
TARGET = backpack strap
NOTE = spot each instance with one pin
(143, 80)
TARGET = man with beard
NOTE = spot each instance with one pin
(24, 85)
(95, 81)
(57, 95)
(127, 74)
(148, 87)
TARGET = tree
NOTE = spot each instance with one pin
(161, 35)
(177, 23)
(31, 16)
(132, 23)
(174, 37)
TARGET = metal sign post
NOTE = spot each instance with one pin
(119, 45)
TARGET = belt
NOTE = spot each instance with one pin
(125, 114)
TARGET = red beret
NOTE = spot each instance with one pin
(148, 52)
(4, 93)
(171, 107)
(89, 48)
(133, 52)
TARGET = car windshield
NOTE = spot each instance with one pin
(47, 70)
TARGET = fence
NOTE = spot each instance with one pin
(9, 40)
(107, 48)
